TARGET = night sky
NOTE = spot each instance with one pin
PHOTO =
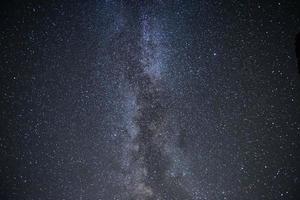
(149, 100)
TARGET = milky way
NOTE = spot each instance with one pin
(149, 169)
(149, 100)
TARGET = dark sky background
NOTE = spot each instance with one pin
(148, 100)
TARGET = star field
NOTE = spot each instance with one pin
(149, 100)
